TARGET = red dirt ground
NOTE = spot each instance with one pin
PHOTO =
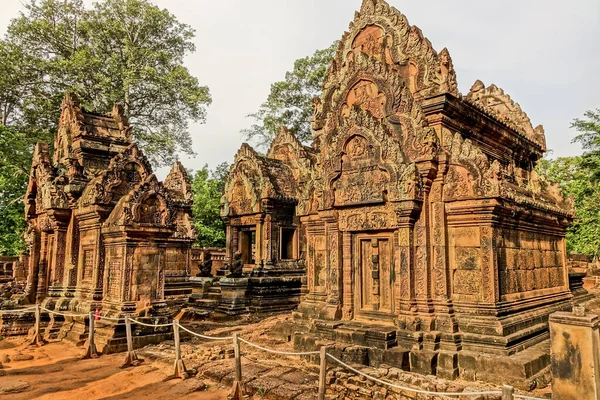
(56, 371)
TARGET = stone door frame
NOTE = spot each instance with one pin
(357, 273)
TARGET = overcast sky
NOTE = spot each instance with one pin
(544, 53)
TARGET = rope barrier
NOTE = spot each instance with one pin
(150, 325)
(64, 314)
(492, 393)
(206, 337)
(343, 364)
(19, 310)
(109, 318)
(289, 353)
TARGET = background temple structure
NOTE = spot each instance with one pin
(429, 240)
(103, 233)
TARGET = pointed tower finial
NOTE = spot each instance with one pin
(368, 6)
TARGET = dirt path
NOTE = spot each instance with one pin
(57, 371)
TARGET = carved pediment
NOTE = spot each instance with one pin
(125, 171)
(178, 184)
(381, 32)
(366, 95)
(45, 190)
(148, 203)
(288, 149)
(364, 162)
(362, 180)
(253, 178)
(494, 101)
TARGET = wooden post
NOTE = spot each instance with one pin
(37, 336)
(180, 370)
(91, 345)
(131, 359)
(322, 372)
(237, 391)
(508, 392)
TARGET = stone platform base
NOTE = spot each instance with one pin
(110, 336)
(525, 370)
(259, 294)
(19, 323)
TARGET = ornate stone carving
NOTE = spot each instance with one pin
(499, 104)
(178, 184)
(85, 206)
(425, 187)
(125, 171)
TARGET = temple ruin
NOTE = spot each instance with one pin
(104, 234)
(428, 238)
(414, 231)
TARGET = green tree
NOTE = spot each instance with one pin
(119, 51)
(208, 187)
(573, 175)
(14, 171)
(589, 137)
(580, 177)
(289, 102)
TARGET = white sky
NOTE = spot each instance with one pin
(544, 53)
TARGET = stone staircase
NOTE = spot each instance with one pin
(208, 301)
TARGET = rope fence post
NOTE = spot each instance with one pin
(180, 370)
(508, 392)
(237, 392)
(323, 372)
(131, 359)
(91, 345)
(37, 336)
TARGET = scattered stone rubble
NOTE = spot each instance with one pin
(293, 377)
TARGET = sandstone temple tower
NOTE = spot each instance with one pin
(104, 234)
(427, 235)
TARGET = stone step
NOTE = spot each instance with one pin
(206, 303)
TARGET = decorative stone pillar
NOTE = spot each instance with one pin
(575, 355)
(268, 245)
(59, 249)
(42, 282)
(347, 295)
(489, 276)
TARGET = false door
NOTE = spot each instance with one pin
(374, 274)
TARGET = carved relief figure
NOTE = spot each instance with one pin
(206, 268)
(237, 265)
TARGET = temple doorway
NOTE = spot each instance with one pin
(373, 264)
(248, 245)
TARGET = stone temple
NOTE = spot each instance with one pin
(428, 238)
(103, 233)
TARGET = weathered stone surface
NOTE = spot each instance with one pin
(575, 355)
(22, 357)
(103, 233)
(417, 212)
(8, 386)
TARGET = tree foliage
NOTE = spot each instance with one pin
(580, 177)
(118, 51)
(572, 174)
(14, 170)
(289, 102)
(208, 187)
(589, 137)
